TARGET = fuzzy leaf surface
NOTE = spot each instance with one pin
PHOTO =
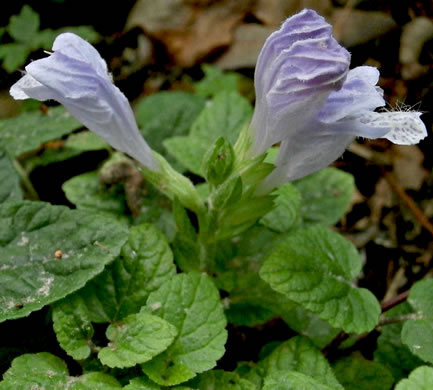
(145, 263)
(48, 252)
(192, 304)
(287, 209)
(300, 355)
(315, 268)
(136, 339)
(418, 334)
(72, 326)
(325, 195)
(30, 130)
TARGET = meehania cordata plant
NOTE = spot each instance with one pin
(314, 106)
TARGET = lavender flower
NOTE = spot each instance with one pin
(76, 76)
(309, 100)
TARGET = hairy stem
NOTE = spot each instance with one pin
(395, 320)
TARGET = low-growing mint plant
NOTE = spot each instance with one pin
(253, 227)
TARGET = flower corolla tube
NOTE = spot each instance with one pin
(76, 76)
(308, 100)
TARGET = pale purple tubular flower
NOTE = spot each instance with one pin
(76, 76)
(308, 100)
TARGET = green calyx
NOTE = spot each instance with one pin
(174, 185)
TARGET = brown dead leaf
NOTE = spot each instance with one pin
(8, 107)
(248, 41)
(354, 27)
(273, 12)
(357, 198)
(407, 166)
(189, 30)
(382, 197)
(157, 16)
(133, 59)
(414, 36)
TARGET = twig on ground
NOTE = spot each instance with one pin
(410, 203)
(389, 304)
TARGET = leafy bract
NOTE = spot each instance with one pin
(30, 130)
(146, 262)
(361, 374)
(136, 339)
(286, 213)
(224, 117)
(192, 304)
(46, 371)
(291, 380)
(300, 355)
(315, 268)
(48, 251)
(9, 180)
(419, 379)
(72, 326)
(417, 334)
(325, 195)
(391, 352)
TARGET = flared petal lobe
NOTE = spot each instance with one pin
(297, 69)
(76, 76)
